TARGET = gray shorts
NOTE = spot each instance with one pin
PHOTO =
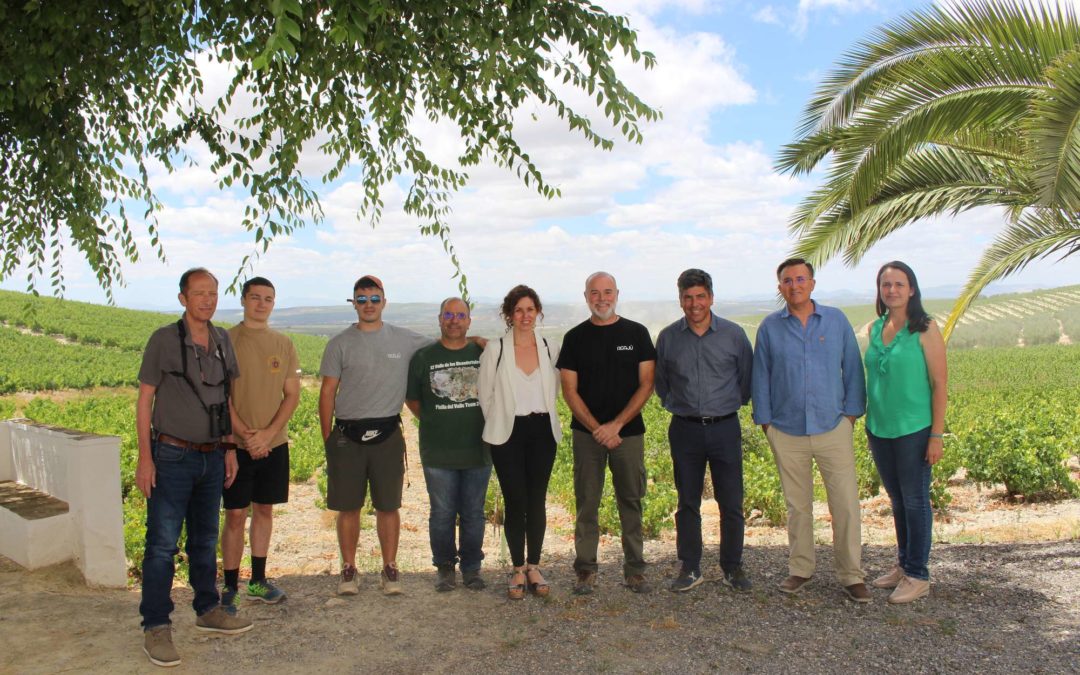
(350, 466)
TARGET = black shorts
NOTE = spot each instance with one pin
(263, 481)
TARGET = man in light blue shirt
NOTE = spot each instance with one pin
(808, 389)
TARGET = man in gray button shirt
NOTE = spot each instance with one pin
(181, 419)
(703, 378)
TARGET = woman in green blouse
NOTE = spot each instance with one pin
(905, 416)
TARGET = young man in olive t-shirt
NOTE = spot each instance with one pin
(607, 364)
(262, 403)
(442, 393)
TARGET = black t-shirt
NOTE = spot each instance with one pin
(606, 360)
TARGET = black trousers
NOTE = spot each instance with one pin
(523, 466)
(719, 447)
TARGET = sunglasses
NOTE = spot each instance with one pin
(363, 299)
(450, 316)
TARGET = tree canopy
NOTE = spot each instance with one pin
(949, 108)
(93, 91)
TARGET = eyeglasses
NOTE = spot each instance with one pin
(450, 316)
(788, 281)
(363, 299)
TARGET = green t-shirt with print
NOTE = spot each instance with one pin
(451, 422)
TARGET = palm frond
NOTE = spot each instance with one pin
(1054, 129)
(1040, 233)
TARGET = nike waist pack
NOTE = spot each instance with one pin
(367, 431)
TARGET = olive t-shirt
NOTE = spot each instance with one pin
(606, 360)
(177, 409)
(451, 422)
(267, 358)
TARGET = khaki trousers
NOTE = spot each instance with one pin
(835, 456)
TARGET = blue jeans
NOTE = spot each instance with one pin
(457, 493)
(905, 473)
(717, 447)
(188, 490)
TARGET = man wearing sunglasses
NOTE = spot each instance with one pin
(442, 393)
(364, 370)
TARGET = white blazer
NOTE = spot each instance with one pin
(496, 388)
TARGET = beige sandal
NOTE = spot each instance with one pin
(540, 587)
(516, 591)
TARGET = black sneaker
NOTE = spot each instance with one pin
(738, 580)
(228, 598)
(686, 580)
(472, 580)
(446, 580)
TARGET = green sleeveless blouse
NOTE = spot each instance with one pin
(897, 384)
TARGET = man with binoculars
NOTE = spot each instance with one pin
(182, 420)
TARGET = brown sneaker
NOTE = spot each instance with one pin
(908, 590)
(890, 579)
(390, 581)
(638, 584)
(219, 620)
(158, 646)
(858, 592)
(793, 584)
(350, 581)
(585, 582)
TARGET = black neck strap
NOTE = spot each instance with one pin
(182, 329)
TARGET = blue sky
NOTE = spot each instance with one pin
(732, 79)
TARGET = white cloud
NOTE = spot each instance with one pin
(767, 14)
(809, 7)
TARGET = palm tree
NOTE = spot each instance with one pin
(949, 108)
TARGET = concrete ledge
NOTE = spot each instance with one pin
(74, 468)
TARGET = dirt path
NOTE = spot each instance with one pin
(996, 607)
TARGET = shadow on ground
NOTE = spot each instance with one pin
(994, 608)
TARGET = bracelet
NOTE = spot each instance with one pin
(935, 436)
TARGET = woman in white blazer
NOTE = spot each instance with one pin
(518, 388)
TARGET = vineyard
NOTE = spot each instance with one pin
(63, 344)
(1013, 413)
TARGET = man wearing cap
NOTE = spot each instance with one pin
(364, 372)
(182, 420)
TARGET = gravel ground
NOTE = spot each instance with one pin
(995, 607)
(1001, 608)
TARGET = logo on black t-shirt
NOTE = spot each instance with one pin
(624, 348)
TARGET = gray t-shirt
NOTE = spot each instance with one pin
(177, 411)
(373, 368)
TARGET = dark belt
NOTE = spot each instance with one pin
(187, 445)
(535, 414)
(704, 421)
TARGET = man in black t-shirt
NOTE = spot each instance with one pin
(607, 365)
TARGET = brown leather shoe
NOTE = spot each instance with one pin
(890, 579)
(638, 584)
(793, 584)
(585, 582)
(858, 592)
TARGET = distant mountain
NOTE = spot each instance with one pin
(421, 316)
